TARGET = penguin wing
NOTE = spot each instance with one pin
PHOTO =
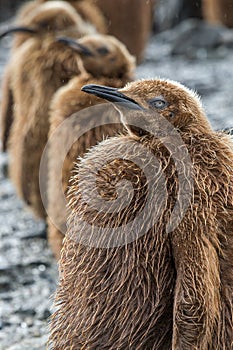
(197, 290)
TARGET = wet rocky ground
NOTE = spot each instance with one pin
(197, 57)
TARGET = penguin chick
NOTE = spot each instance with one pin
(91, 13)
(133, 33)
(108, 62)
(118, 63)
(126, 281)
(87, 9)
(53, 17)
(39, 70)
(48, 19)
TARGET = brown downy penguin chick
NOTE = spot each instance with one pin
(48, 19)
(130, 277)
(108, 62)
(130, 21)
(40, 68)
(51, 17)
(87, 9)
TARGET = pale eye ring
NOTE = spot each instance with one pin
(158, 103)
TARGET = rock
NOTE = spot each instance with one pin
(8, 7)
(195, 38)
(25, 311)
(36, 343)
(228, 131)
(168, 13)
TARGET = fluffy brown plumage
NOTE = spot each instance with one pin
(46, 20)
(110, 64)
(40, 67)
(130, 21)
(164, 289)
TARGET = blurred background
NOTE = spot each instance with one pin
(187, 41)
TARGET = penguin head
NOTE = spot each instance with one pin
(49, 18)
(56, 16)
(147, 103)
(103, 56)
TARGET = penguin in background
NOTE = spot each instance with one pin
(40, 66)
(107, 61)
(163, 289)
(47, 17)
(48, 20)
(89, 12)
(218, 12)
(115, 18)
(130, 21)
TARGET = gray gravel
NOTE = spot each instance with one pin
(28, 273)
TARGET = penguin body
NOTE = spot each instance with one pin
(132, 278)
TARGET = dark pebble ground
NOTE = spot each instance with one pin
(28, 273)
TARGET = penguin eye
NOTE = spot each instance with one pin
(44, 25)
(102, 51)
(158, 103)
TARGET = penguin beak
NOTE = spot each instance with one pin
(18, 30)
(112, 95)
(80, 48)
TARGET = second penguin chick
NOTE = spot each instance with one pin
(47, 20)
(40, 69)
(87, 9)
(108, 62)
(52, 17)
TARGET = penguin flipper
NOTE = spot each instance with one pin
(197, 291)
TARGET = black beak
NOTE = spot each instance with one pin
(112, 95)
(18, 30)
(81, 49)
